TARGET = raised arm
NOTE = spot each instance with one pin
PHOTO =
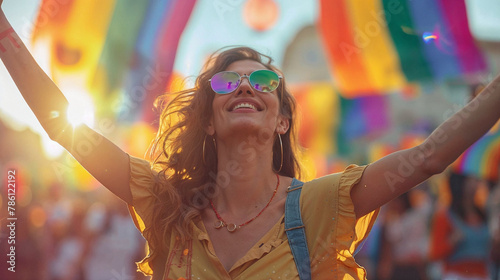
(397, 173)
(105, 161)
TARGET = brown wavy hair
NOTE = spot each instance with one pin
(186, 182)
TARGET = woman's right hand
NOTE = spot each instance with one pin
(104, 160)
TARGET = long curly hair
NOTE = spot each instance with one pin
(187, 165)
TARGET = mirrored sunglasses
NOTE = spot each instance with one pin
(261, 80)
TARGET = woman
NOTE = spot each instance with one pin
(213, 205)
(460, 235)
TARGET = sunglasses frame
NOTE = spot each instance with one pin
(245, 76)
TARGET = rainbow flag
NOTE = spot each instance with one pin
(482, 159)
(319, 112)
(436, 41)
(361, 117)
(470, 58)
(49, 19)
(345, 57)
(73, 39)
(364, 115)
(376, 47)
(318, 109)
(122, 55)
(117, 52)
(154, 56)
(408, 44)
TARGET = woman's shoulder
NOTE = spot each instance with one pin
(331, 192)
(339, 180)
(143, 184)
(143, 178)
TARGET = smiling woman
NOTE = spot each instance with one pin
(221, 198)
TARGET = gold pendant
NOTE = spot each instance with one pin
(218, 224)
(231, 227)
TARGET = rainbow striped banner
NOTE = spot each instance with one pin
(482, 159)
(345, 57)
(320, 116)
(362, 116)
(154, 57)
(122, 55)
(439, 50)
(471, 59)
(376, 47)
(117, 52)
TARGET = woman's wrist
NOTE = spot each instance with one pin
(8, 37)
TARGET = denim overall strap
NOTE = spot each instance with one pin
(295, 230)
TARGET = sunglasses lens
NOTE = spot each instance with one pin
(225, 82)
(264, 80)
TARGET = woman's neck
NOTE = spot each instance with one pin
(245, 178)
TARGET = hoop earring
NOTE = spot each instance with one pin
(203, 153)
(281, 148)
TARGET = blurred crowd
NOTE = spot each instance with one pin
(77, 236)
(446, 228)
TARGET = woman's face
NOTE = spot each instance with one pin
(246, 110)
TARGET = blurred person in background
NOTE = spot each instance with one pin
(405, 237)
(460, 237)
(494, 225)
(114, 243)
(70, 243)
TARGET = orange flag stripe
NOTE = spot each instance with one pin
(346, 59)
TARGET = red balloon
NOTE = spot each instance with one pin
(261, 15)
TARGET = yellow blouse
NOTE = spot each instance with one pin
(332, 232)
